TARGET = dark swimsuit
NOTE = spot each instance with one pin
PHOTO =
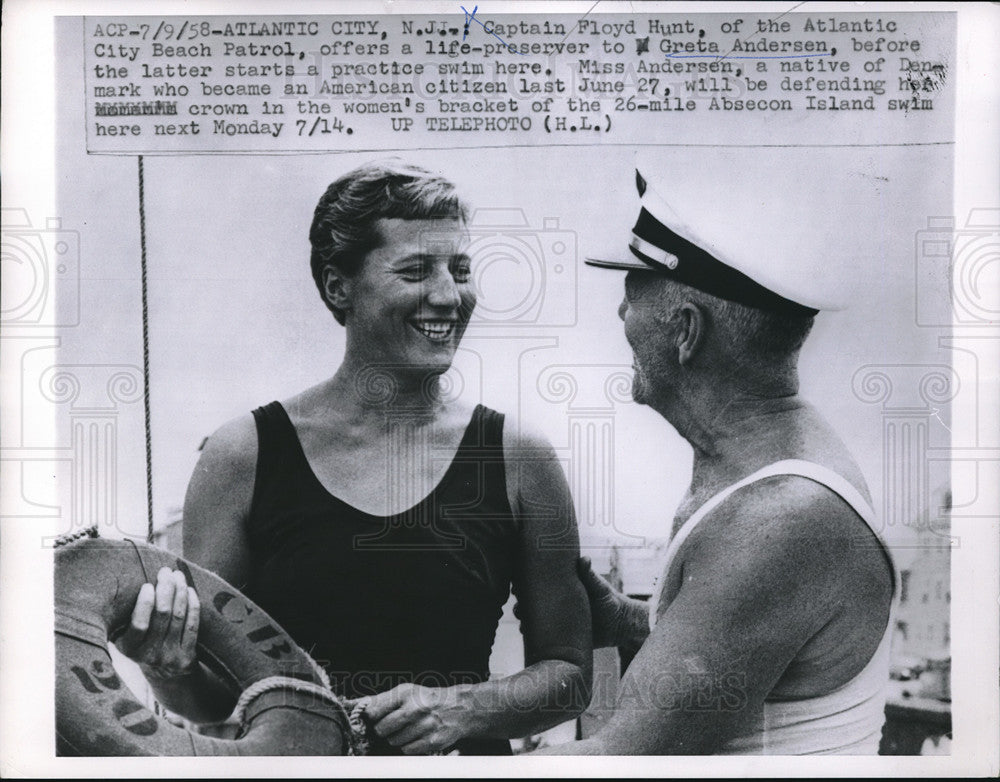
(378, 601)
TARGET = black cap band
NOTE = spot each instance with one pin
(702, 270)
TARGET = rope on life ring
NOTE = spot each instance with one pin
(287, 708)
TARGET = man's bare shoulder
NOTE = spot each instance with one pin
(785, 506)
(790, 527)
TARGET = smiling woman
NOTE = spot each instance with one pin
(379, 522)
(411, 299)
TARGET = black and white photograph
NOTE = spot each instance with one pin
(460, 390)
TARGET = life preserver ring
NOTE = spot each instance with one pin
(96, 585)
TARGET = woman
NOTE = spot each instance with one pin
(380, 523)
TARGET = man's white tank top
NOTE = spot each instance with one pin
(847, 721)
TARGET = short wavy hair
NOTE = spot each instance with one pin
(343, 229)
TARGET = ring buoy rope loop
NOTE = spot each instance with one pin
(96, 585)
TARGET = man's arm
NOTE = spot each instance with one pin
(164, 625)
(618, 620)
(555, 684)
(755, 588)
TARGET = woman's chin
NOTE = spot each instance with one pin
(433, 359)
(431, 352)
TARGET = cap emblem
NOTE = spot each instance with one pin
(654, 253)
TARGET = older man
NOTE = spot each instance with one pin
(770, 630)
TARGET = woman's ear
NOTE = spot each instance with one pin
(336, 288)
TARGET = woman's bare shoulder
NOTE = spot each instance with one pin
(218, 500)
(234, 444)
(523, 438)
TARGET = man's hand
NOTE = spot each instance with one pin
(163, 633)
(419, 720)
(618, 620)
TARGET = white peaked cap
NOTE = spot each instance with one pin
(770, 243)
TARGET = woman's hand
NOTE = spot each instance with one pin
(163, 632)
(419, 720)
(617, 619)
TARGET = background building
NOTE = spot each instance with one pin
(923, 624)
(918, 711)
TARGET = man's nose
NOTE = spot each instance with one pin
(622, 308)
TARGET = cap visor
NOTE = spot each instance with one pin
(608, 261)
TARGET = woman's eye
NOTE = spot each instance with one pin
(462, 273)
(413, 272)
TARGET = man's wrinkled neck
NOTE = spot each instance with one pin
(745, 411)
(741, 423)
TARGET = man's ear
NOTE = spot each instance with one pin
(336, 288)
(691, 332)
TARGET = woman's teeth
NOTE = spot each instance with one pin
(435, 329)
